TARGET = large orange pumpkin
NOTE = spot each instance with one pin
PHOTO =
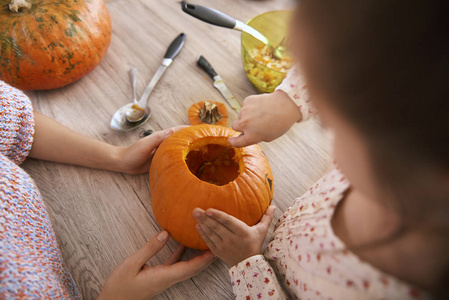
(195, 167)
(47, 44)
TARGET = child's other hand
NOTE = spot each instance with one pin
(264, 118)
(134, 279)
(136, 159)
(230, 239)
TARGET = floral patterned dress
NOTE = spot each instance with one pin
(305, 259)
(31, 266)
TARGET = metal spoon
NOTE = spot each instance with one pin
(129, 115)
(133, 75)
(137, 113)
(133, 115)
(215, 17)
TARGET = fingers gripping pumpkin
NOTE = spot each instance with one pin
(47, 44)
(196, 167)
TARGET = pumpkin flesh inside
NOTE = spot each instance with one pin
(213, 163)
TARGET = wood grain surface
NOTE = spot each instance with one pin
(102, 217)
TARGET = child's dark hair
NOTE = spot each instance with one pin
(384, 65)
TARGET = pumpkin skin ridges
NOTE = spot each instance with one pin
(252, 193)
(261, 179)
(192, 192)
(61, 41)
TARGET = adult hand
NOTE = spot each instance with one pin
(264, 118)
(134, 279)
(136, 159)
(230, 239)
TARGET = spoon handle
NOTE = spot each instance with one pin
(133, 74)
(172, 51)
(215, 17)
(208, 15)
(175, 46)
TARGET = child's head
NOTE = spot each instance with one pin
(379, 73)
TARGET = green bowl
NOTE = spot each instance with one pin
(274, 26)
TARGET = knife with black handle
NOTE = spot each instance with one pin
(218, 83)
(205, 65)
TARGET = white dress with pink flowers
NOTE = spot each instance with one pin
(305, 259)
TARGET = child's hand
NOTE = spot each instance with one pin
(264, 118)
(136, 159)
(134, 279)
(230, 239)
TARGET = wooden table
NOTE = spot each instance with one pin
(102, 217)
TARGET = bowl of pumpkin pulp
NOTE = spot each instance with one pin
(262, 68)
(196, 167)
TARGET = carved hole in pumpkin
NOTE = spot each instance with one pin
(222, 169)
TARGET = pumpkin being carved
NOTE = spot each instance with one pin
(48, 44)
(196, 167)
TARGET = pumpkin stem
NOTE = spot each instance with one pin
(209, 113)
(16, 5)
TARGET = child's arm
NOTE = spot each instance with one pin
(240, 246)
(268, 116)
(264, 118)
(256, 279)
(55, 142)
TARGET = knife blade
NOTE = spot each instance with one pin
(172, 51)
(218, 83)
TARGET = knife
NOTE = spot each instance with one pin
(218, 83)
(172, 51)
